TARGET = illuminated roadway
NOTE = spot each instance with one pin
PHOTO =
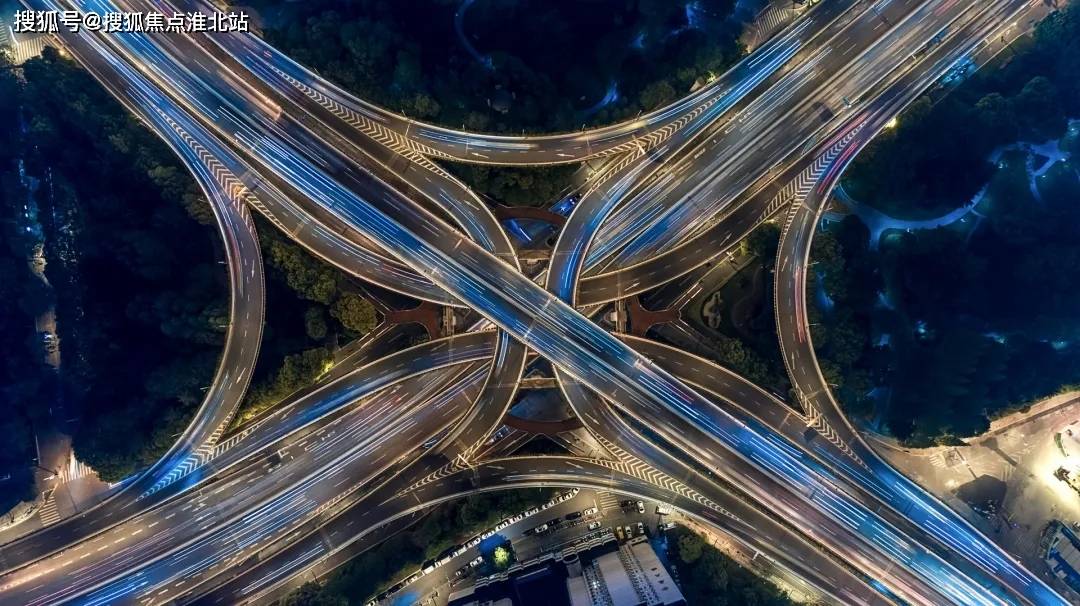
(432, 247)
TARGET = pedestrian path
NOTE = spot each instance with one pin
(48, 513)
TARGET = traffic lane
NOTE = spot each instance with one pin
(242, 339)
(956, 534)
(775, 123)
(644, 371)
(201, 525)
(359, 529)
(446, 576)
(270, 195)
(706, 474)
(464, 207)
(625, 178)
(297, 510)
(496, 149)
(332, 397)
(261, 434)
(759, 124)
(722, 235)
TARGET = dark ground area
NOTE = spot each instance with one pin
(25, 380)
(141, 297)
(981, 316)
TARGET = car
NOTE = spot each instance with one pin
(640, 507)
(476, 561)
(590, 511)
(460, 572)
(540, 529)
(473, 543)
(640, 528)
(626, 504)
(667, 525)
(573, 515)
(533, 511)
(594, 525)
(663, 510)
(619, 532)
(487, 534)
(628, 531)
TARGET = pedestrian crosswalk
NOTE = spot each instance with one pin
(74, 470)
(48, 513)
(773, 19)
(607, 501)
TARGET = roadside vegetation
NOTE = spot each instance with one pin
(737, 320)
(141, 296)
(442, 527)
(533, 65)
(708, 576)
(311, 308)
(977, 316)
(141, 303)
(24, 378)
(517, 186)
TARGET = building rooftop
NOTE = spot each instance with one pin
(597, 572)
(1063, 554)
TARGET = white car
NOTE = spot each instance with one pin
(594, 525)
(589, 512)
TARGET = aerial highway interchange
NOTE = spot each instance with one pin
(235, 518)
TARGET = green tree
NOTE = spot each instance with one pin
(355, 313)
(310, 278)
(315, 323)
(657, 94)
(690, 547)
